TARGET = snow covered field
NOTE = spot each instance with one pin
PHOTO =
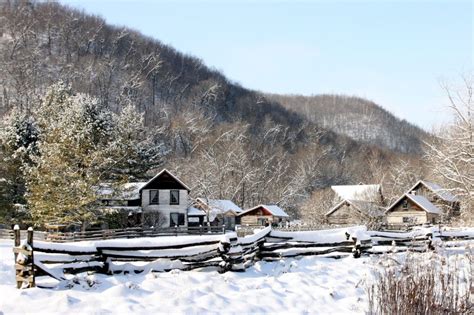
(309, 285)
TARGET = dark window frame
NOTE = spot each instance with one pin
(177, 197)
(152, 202)
(181, 219)
(405, 204)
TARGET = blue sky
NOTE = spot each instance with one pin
(394, 53)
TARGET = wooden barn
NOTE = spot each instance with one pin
(355, 204)
(437, 195)
(354, 212)
(412, 209)
(263, 215)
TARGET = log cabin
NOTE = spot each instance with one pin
(263, 215)
(412, 209)
(424, 202)
(350, 212)
(437, 195)
(355, 204)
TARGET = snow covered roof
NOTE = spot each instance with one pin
(437, 189)
(419, 200)
(220, 205)
(358, 192)
(424, 203)
(192, 211)
(273, 209)
(369, 208)
(276, 210)
(127, 191)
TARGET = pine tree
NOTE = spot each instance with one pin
(135, 148)
(72, 155)
(18, 137)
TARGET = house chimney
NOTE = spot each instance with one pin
(413, 192)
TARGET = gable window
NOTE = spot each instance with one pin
(405, 204)
(154, 197)
(174, 197)
(176, 219)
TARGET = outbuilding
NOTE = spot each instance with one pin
(263, 215)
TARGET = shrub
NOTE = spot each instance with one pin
(424, 284)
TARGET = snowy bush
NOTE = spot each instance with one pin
(423, 284)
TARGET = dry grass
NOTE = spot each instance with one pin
(424, 284)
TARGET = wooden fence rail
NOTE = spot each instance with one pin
(225, 252)
(61, 237)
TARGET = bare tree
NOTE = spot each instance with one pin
(451, 155)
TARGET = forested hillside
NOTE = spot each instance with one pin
(224, 140)
(357, 118)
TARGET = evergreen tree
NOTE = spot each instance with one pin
(135, 148)
(18, 137)
(72, 155)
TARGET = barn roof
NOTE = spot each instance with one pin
(419, 200)
(273, 209)
(437, 189)
(358, 192)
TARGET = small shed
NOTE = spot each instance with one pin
(195, 216)
(219, 211)
(262, 215)
(411, 209)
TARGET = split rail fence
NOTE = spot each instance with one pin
(225, 252)
(61, 237)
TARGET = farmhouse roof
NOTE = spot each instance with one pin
(166, 172)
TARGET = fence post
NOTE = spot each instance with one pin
(16, 231)
(356, 250)
(200, 229)
(29, 240)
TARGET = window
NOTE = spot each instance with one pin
(174, 197)
(176, 219)
(154, 197)
(405, 204)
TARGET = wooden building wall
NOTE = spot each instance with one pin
(345, 214)
(414, 213)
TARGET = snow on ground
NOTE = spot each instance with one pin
(309, 285)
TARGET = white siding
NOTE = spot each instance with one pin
(164, 207)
